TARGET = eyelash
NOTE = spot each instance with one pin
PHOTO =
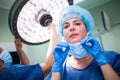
(77, 23)
(66, 26)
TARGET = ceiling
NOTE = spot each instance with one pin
(6, 4)
(88, 4)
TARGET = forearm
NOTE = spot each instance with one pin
(47, 65)
(55, 76)
(53, 42)
(23, 57)
(109, 73)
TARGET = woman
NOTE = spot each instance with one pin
(86, 60)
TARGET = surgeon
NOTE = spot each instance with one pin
(80, 56)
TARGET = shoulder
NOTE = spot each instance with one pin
(112, 56)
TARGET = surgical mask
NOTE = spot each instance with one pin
(77, 51)
(7, 58)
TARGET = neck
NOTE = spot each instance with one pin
(80, 63)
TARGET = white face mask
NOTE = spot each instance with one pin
(77, 51)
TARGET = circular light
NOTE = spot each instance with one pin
(28, 19)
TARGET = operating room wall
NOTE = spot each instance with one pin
(110, 40)
(5, 34)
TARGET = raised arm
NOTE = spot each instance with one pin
(24, 60)
(47, 65)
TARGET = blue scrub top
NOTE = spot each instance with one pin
(20, 72)
(92, 71)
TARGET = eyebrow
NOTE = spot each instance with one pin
(73, 21)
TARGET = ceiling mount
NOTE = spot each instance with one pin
(45, 20)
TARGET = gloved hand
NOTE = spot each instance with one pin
(93, 47)
(60, 54)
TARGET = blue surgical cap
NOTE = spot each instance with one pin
(75, 11)
(7, 58)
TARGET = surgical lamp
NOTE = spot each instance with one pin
(28, 19)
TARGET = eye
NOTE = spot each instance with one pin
(66, 26)
(77, 23)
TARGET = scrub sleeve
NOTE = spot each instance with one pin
(31, 72)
